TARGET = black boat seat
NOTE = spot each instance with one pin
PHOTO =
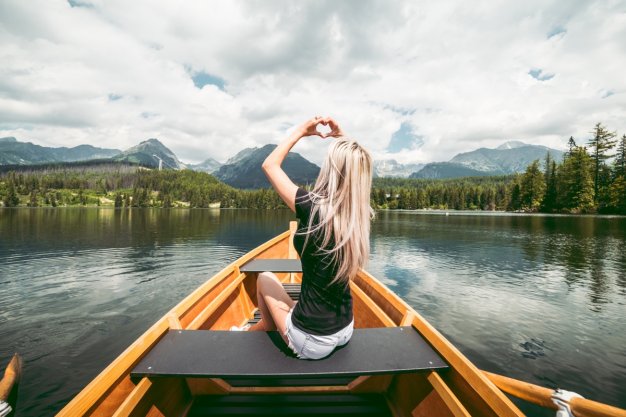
(273, 265)
(264, 355)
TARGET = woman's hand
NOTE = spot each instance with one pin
(309, 128)
(335, 130)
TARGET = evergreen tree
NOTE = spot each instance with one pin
(533, 187)
(601, 143)
(11, 199)
(620, 158)
(167, 201)
(575, 182)
(618, 195)
(571, 145)
(515, 202)
(550, 197)
(32, 200)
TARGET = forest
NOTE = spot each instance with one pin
(590, 179)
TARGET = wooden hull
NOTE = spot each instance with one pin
(229, 298)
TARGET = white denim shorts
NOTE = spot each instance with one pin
(311, 346)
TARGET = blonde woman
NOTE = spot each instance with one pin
(332, 240)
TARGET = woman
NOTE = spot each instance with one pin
(332, 240)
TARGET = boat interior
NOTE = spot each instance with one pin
(189, 364)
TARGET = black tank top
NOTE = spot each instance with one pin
(322, 309)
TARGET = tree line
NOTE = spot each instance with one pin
(121, 186)
(584, 182)
(591, 178)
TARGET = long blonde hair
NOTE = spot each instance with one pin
(341, 203)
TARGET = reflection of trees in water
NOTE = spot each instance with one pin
(620, 248)
(90, 228)
(582, 246)
(599, 286)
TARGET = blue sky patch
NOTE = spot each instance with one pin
(200, 79)
(538, 74)
(114, 97)
(608, 93)
(79, 3)
(404, 138)
(556, 31)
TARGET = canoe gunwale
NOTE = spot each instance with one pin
(386, 309)
(97, 390)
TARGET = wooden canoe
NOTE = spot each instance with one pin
(229, 298)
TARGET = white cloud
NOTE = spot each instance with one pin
(114, 73)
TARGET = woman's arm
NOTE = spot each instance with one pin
(283, 185)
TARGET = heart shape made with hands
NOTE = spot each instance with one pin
(323, 129)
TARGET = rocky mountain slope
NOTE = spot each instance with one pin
(244, 169)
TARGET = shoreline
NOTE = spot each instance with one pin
(437, 212)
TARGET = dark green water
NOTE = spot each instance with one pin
(533, 297)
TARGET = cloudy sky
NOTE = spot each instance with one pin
(412, 80)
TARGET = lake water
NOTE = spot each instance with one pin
(538, 298)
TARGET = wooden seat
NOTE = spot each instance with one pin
(273, 265)
(226, 354)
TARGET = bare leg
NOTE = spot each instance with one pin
(274, 303)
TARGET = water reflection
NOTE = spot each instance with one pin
(539, 298)
(534, 297)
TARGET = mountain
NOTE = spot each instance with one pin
(437, 170)
(391, 168)
(244, 169)
(508, 158)
(13, 152)
(210, 165)
(148, 152)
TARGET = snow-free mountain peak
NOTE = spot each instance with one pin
(512, 144)
(148, 152)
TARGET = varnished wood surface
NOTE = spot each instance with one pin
(229, 298)
(535, 394)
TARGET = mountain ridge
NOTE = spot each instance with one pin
(14, 152)
(244, 169)
(509, 158)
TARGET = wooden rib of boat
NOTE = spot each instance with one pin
(229, 298)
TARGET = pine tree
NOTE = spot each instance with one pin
(620, 158)
(550, 197)
(533, 187)
(571, 145)
(618, 195)
(601, 143)
(575, 182)
(11, 199)
(515, 202)
(33, 201)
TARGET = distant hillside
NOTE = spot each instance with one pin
(244, 169)
(509, 158)
(390, 168)
(144, 154)
(14, 152)
(210, 165)
(437, 170)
